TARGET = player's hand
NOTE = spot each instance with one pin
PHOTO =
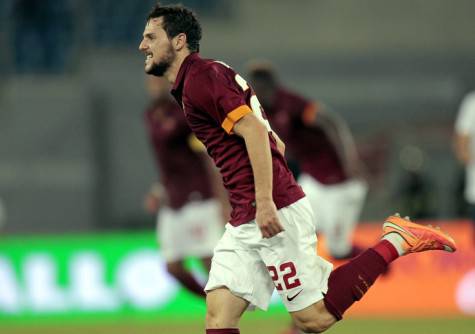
(155, 198)
(151, 203)
(280, 144)
(267, 219)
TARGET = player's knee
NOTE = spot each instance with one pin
(223, 309)
(212, 319)
(315, 320)
(217, 319)
(175, 269)
(313, 327)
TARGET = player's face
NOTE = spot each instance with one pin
(264, 92)
(158, 50)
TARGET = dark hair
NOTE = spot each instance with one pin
(262, 71)
(178, 19)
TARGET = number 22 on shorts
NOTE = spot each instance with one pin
(288, 272)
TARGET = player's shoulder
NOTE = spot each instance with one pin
(293, 97)
(210, 68)
(208, 73)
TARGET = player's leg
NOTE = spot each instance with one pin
(223, 311)
(238, 279)
(322, 200)
(181, 274)
(194, 230)
(322, 213)
(173, 239)
(299, 274)
(206, 262)
(204, 225)
(314, 318)
(348, 283)
(342, 223)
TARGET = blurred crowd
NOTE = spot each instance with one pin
(43, 34)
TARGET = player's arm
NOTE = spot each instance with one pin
(256, 137)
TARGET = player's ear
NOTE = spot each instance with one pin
(179, 41)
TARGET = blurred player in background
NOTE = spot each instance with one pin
(270, 241)
(189, 221)
(465, 149)
(322, 145)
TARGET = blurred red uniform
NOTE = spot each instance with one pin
(189, 221)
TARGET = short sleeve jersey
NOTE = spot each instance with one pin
(290, 115)
(214, 98)
(172, 144)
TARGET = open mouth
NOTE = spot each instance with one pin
(148, 56)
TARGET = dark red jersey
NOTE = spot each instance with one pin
(182, 170)
(290, 116)
(214, 98)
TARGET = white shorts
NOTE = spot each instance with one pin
(252, 267)
(337, 209)
(193, 230)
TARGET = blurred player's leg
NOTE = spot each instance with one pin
(181, 274)
(171, 230)
(333, 222)
(193, 230)
(206, 262)
(342, 223)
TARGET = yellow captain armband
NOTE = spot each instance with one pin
(195, 144)
(234, 116)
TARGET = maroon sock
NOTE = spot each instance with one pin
(386, 250)
(190, 283)
(223, 331)
(349, 282)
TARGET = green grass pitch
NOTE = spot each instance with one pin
(257, 324)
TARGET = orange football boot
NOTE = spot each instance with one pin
(418, 238)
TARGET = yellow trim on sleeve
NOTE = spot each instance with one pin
(310, 113)
(195, 144)
(233, 116)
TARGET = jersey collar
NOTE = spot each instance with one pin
(180, 78)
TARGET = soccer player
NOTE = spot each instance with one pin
(189, 221)
(465, 149)
(321, 143)
(270, 239)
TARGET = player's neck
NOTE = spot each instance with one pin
(172, 72)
